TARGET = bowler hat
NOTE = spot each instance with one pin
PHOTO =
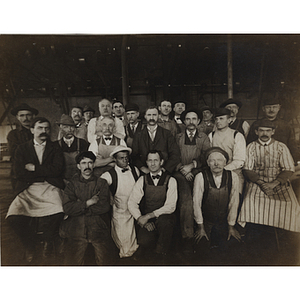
(184, 113)
(231, 101)
(87, 154)
(216, 149)
(131, 107)
(66, 120)
(222, 112)
(23, 106)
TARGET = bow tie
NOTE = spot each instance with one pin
(108, 138)
(125, 169)
(155, 177)
(178, 118)
(121, 118)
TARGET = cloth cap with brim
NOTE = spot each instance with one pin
(131, 107)
(231, 101)
(206, 107)
(222, 112)
(23, 106)
(87, 154)
(264, 123)
(216, 149)
(120, 149)
(66, 120)
(194, 110)
(88, 108)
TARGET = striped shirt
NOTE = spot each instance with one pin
(280, 209)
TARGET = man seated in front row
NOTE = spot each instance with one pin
(156, 215)
(103, 146)
(216, 200)
(86, 201)
(38, 167)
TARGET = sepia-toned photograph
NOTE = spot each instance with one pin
(150, 149)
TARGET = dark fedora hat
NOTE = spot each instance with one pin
(194, 110)
(23, 106)
(264, 123)
(66, 120)
(88, 108)
(231, 101)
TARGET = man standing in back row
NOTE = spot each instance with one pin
(154, 137)
(24, 114)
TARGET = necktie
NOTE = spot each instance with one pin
(108, 138)
(191, 136)
(132, 128)
(151, 135)
(124, 170)
(155, 177)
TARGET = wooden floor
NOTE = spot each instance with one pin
(263, 252)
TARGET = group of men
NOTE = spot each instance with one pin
(118, 181)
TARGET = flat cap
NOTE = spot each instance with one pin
(87, 154)
(195, 110)
(66, 120)
(120, 149)
(216, 149)
(264, 123)
(222, 112)
(132, 107)
(23, 106)
(231, 101)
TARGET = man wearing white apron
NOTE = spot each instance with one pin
(39, 168)
(121, 180)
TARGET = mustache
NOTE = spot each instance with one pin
(264, 136)
(44, 134)
(151, 120)
(87, 169)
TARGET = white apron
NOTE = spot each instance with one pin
(38, 200)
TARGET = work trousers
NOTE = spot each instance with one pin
(161, 237)
(185, 205)
(28, 227)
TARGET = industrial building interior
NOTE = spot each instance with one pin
(55, 72)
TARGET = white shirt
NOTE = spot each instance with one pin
(138, 193)
(198, 196)
(94, 145)
(264, 143)
(39, 149)
(152, 131)
(191, 132)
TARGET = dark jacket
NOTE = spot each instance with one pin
(82, 221)
(164, 141)
(50, 170)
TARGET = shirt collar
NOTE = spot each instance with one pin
(155, 128)
(159, 173)
(37, 144)
(265, 143)
(189, 132)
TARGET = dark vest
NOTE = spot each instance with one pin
(114, 178)
(215, 200)
(238, 125)
(155, 196)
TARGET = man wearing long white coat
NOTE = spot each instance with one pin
(121, 180)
